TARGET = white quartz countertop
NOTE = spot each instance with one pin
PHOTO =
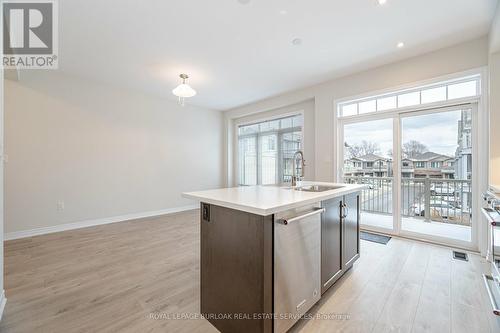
(266, 200)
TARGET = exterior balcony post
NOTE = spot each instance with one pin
(427, 199)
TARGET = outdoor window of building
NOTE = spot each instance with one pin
(265, 150)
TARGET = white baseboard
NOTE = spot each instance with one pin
(91, 223)
(3, 300)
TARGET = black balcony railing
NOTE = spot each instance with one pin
(440, 200)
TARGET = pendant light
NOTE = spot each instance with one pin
(183, 90)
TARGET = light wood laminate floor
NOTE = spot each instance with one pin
(111, 278)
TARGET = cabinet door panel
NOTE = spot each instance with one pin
(236, 268)
(350, 226)
(331, 243)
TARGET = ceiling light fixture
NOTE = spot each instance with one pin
(400, 45)
(297, 41)
(382, 2)
(183, 90)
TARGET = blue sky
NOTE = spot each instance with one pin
(437, 131)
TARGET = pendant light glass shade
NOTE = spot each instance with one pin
(183, 90)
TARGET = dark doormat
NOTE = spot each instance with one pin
(368, 236)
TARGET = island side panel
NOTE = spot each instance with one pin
(236, 269)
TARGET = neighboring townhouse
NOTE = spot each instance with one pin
(424, 165)
(463, 155)
(370, 165)
(430, 165)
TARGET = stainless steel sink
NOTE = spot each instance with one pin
(317, 188)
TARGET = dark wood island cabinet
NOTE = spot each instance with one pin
(260, 272)
(339, 238)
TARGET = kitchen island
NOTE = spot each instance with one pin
(268, 253)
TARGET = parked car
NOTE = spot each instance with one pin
(452, 201)
(444, 210)
(442, 190)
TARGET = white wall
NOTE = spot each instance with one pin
(494, 74)
(494, 35)
(495, 118)
(473, 54)
(103, 151)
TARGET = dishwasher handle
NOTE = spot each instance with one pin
(300, 217)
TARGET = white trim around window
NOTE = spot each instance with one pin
(480, 137)
(239, 122)
(441, 81)
(482, 101)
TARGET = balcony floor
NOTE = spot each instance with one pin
(438, 229)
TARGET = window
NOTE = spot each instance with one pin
(435, 165)
(464, 89)
(409, 99)
(369, 164)
(468, 141)
(406, 164)
(265, 150)
(268, 158)
(419, 164)
(439, 92)
(248, 160)
(368, 106)
(386, 103)
(350, 109)
(433, 95)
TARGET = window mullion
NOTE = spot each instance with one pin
(279, 155)
(259, 159)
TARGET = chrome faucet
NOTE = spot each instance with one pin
(296, 177)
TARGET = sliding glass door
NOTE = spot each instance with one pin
(424, 190)
(436, 173)
(367, 151)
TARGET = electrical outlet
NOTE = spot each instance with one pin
(60, 206)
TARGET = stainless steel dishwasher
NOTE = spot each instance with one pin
(297, 264)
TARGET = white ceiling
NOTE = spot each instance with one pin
(239, 53)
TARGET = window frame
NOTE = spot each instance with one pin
(258, 135)
(435, 165)
(446, 82)
(479, 135)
